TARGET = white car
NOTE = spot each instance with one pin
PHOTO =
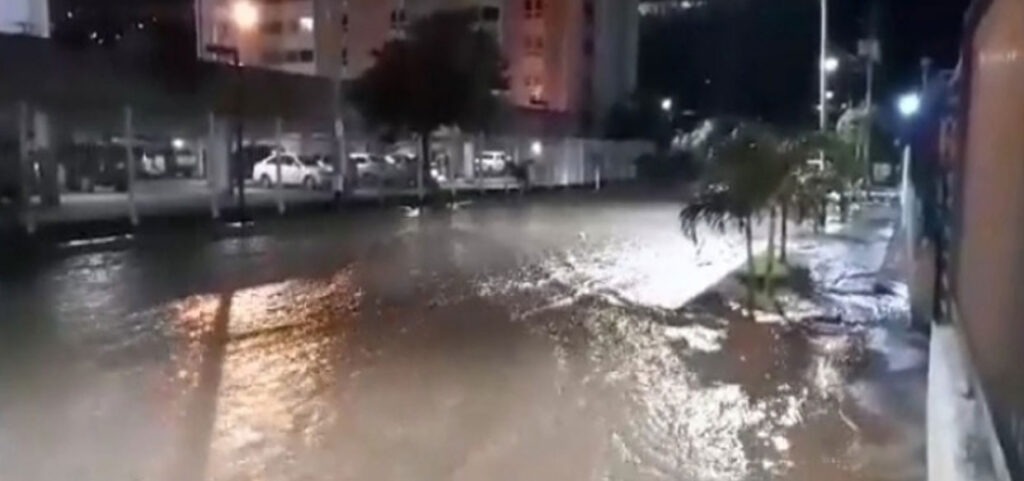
(293, 172)
(492, 162)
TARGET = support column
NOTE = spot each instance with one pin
(44, 155)
(25, 170)
(129, 144)
(216, 159)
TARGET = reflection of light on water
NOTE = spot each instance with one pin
(663, 270)
(269, 396)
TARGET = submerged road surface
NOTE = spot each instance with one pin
(517, 341)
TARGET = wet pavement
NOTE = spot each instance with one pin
(540, 340)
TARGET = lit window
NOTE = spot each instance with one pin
(306, 23)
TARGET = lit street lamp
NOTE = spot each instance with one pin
(245, 15)
(909, 104)
(830, 65)
(666, 104)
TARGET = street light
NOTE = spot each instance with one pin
(666, 104)
(909, 104)
(245, 15)
(830, 65)
(536, 148)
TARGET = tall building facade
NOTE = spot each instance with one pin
(565, 56)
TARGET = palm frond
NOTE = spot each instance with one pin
(711, 207)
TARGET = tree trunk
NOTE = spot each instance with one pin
(844, 208)
(751, 271)
(769, 269)
(784, 244)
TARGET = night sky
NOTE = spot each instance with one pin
(746, 57)
(756, 58)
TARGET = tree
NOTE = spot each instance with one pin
(444, 72)
(807, 186)
(746, 172)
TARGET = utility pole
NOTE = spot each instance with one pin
(822, 73)
(871, 50)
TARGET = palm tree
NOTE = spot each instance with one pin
(746, 173)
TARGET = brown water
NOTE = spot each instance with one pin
(537, 341)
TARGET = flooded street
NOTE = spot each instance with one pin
(539, 340)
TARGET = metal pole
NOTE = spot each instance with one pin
(278, 193)
(870, 118)
(240, 133)
(822, 74)
(423, 141)
(129, 145)
(25, 169)
(343, 177)
(211, 173)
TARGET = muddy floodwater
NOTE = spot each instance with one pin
(540, 340)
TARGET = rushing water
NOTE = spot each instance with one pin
(537, 341)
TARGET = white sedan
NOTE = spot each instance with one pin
(292, 172)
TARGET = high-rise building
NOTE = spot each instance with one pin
(30, 17)
(566, 56)
(571, 55)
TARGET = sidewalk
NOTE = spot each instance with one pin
(844, 339)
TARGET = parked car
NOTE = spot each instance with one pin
(87, 166)
(374, 169)
(293, 172)
(180, 162)
(492, 162)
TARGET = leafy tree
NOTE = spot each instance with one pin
(747, 170)
(444, 72)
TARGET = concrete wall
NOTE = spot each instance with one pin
(575, 161)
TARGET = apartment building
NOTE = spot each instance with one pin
(571, 55)
(564, 56)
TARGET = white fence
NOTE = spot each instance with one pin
(571, 162)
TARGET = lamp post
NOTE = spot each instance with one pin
(245, 16)
(824, 62)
